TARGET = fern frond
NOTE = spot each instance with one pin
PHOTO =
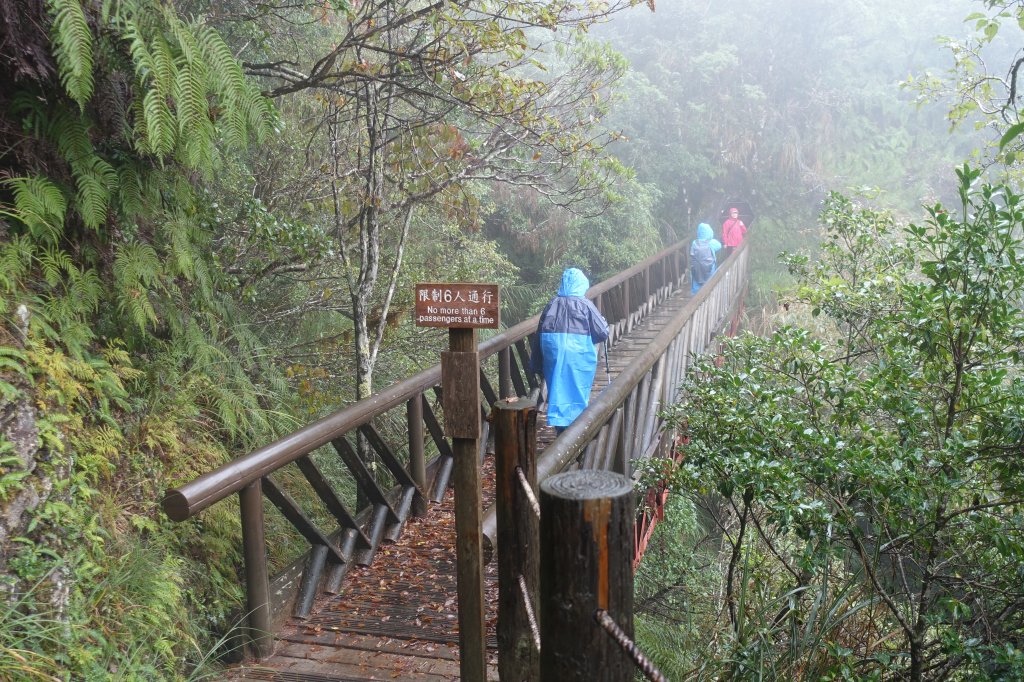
(260, 113)
(236, 132)
(141, 56)
(136, 271)
(70, 132)
(186, 39)
(15, 259)
(183, 254)
(129, 191)
(160, 127)
(55, 264)
(200, 150)
(164, 70)
(86, 289)
(40, 205)
(73, 46)
(190, 96)
(226, 70)
(240, 97)
(96, 182)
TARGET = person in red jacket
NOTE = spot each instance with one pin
(733, 231)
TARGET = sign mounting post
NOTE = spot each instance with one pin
(463, 308)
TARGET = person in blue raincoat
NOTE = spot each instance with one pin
(703, 257)
(564, 348)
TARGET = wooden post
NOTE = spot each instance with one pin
(505, 373)
(586, 535)
(417, 460)
(460, 379)
(515, 426)
(257, 580)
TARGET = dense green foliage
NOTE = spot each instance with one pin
(865, 473)
(189, 270)
(212, 213)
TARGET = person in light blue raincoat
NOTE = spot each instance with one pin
(564, 348)
(703, 257)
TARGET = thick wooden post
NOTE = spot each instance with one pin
(460, 378)
(586, 535)
(257, 579)
(515, 426)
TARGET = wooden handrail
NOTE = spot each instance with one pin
(185, 501)
(625, 300)
(570, 445)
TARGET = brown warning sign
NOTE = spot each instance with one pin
(458, 304)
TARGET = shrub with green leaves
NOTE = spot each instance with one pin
(868, 475)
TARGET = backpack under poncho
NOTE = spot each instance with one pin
(702, 260)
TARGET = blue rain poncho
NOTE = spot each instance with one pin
(564, 348)
(705, 246)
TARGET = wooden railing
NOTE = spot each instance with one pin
(622, 424)
(570, 557)
(625, 300)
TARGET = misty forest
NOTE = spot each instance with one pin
(213, 215)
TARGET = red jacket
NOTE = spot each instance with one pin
(733, 230)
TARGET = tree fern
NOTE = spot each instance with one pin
(72, 46)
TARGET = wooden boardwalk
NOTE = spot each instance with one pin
(398, 618)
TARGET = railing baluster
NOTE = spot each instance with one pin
(636, 427)
(330, 499)
(387, 456)
(517, 375)
(611, 444)
(291, 511)
(504, 373)
(257, 579)
(364, 479)
(654, 398)
(310, 578)
(489, 396)
(417, 459)
(522, 350)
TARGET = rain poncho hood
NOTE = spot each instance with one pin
(564, 348)
(574, 283)
(704, 231)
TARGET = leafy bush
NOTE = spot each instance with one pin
(867, 476)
